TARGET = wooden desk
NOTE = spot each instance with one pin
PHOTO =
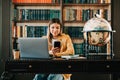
(64, 66)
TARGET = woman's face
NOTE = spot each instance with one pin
(55, 29)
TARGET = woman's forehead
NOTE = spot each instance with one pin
(55, 24)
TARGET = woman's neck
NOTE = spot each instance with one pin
(55, 37)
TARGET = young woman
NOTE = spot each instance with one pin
(65, 48)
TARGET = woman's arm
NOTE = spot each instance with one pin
(67, 48)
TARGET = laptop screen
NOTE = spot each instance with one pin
(33, 48)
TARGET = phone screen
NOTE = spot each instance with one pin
(57, 44)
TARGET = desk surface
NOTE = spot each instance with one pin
(62, 66)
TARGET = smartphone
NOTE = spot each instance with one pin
(57, 44)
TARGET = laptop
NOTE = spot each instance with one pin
(33, 48)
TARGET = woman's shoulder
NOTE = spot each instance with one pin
(65, 35)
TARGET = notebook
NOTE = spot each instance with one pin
(33, 48)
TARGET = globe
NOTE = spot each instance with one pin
(97, 31)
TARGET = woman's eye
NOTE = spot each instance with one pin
(57, 28)
(52, 27)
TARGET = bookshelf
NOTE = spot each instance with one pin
(30, 18)
(76, 13)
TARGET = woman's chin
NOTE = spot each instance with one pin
(55, 35)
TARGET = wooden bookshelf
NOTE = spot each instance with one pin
(72, 13)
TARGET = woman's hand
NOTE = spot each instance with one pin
(55, 50)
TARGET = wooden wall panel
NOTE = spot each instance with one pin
(116, 26)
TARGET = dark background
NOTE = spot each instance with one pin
(5, 46)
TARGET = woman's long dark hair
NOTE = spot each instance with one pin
(49, 35)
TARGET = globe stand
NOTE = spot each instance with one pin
(97, 54)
